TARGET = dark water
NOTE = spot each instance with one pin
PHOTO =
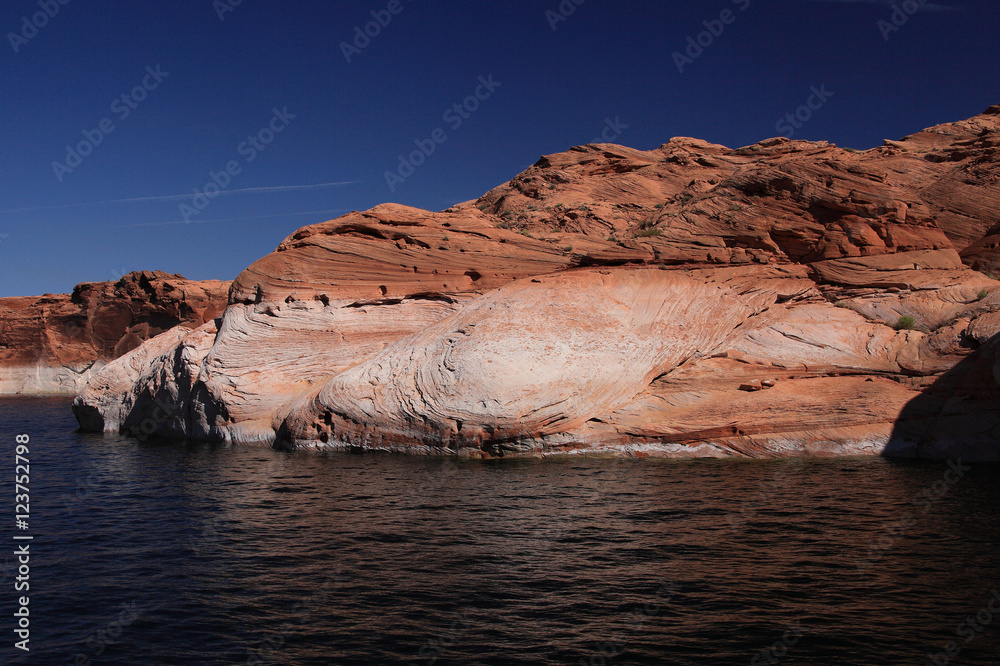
(183, 553)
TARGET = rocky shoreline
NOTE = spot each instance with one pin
(782, 299)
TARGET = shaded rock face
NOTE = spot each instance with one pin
(54, 343)
(787, 298)
(957, 415)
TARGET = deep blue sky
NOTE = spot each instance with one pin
(609, 59)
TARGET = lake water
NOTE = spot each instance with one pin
(187, 553)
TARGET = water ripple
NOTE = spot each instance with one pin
(234, 555)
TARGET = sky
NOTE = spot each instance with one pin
(193, 136)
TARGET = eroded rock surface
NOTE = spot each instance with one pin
(54, 343)
(786, 298)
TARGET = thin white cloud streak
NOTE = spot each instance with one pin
(246, 190)
(233, 219)
(929, 7)
(181, 197)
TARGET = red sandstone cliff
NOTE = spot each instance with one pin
(783, 298)
(54, 343)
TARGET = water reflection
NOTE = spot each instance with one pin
(297, 558)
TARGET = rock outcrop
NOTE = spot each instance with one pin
(785, 298)
(54, 343)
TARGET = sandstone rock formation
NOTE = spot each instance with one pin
(785, 298)
(54, 343)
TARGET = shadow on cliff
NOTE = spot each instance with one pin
(958, 416)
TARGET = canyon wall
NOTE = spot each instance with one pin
(54, 343)
(785, 298)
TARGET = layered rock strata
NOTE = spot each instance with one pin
(53, 344)
(785, 298)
